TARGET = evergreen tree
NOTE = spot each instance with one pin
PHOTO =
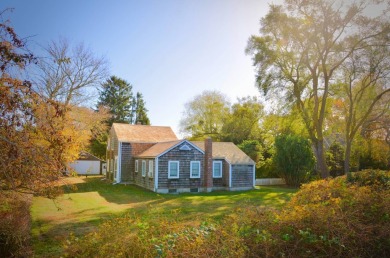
(140, 115)
(117, 96)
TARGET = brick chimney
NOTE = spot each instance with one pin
(208, 165)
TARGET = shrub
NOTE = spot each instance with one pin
(335, 159)
(15, 225)
(327, 218)
(293, 158)
(331, 218)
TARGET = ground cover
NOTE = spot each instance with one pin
(94, 200)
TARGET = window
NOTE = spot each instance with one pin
(195, 169)
(173, 169)
(150, 173)
(217, 169)
(136, 166)
(143, 168)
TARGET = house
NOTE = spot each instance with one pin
(88, 164)
(152, 157)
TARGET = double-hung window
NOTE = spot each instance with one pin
(136, 166)
(195, 169)
(150, 172)
(217, 169)
(173, 169)
(143, 168)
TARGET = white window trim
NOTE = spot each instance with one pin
(156, 176)
(136, 166)
(150, 172)
(194, 162)
(217, 162)
(143, 168)
(169, 169)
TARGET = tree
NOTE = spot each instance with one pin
(69, 74)
(335, 159)
(27, 166)
(374, 144)
(293, 158)
(300, 52)
(366, 74)
(117, 96)
(139, 110)
(242, 123)
(204, 115)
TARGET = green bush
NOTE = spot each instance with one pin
(335, 159)
(293, 158)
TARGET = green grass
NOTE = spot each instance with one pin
(82, 210)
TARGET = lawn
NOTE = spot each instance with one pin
(82, 209)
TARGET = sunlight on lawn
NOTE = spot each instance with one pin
(82, 210)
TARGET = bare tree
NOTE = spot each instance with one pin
(69, 74)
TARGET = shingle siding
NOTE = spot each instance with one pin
(111, 153)
(184, 157)
(224, 181)
(242, 175)
(136, 148)
(144, 181)
(126, 162)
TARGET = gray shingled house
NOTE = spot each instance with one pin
(152, 157)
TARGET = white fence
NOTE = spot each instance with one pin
(270, 181)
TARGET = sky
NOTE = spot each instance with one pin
(169, 50)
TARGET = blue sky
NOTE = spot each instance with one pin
(168, 50)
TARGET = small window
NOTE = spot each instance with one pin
(217, 169)
(173, 169)
(136, 166)
(143, 168)
(150, 172)
(195, 169)
(185, 147)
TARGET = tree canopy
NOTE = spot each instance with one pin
(69, 74)
(300, 52)
(117, 95)
(204, 115)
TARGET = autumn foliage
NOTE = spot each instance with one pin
(38, 138)
(341, 217)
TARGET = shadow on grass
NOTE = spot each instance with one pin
(125, 194)
(187, 208)
(118, 194)
(50, 243)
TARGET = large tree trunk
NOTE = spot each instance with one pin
(320, 157)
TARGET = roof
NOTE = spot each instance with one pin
(158, 149)
(143, 133)
(221, 150)
(83, 155)
(228, 151)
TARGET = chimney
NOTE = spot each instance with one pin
(208, 165)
